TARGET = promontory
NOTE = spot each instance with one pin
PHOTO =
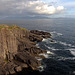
(18, 50)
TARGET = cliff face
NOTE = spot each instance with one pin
(10, 37)
(17, 49)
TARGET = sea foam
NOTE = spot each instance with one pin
(66, 44)
(72, 51)
(38, 58)
(54, 32)
(37, 45)
(44, 39)
(45, 55)
(41, 68)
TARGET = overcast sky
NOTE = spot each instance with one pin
(37, 8)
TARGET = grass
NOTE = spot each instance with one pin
(11, 27)
(2, 26)
(24, 28)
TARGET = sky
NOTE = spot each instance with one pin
(29, 9)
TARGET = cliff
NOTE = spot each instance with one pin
(18, 50)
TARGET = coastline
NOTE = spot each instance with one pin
(20, 51)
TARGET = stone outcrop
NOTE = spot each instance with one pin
(41, 33)
(18, 50)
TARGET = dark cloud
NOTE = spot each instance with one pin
(23, 8)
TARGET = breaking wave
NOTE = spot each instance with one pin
(66, 44)
(72, 50)
(56, 33)
(37, 45)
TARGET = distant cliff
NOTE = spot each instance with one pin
(18, 50)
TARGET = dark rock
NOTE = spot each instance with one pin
(26, 58)
(23, 65)
(35, 50)
(18, 50)
(34, 37)
(39, 32)
(46, 36)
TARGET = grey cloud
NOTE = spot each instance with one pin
(21, 8)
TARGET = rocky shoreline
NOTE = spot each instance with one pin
(18, 50)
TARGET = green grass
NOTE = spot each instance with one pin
(11, 27)
(24, 28)
(2, 26)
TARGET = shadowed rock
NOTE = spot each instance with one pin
(18, 50)
(41, 33)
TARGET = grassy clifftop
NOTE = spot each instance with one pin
(10, 27)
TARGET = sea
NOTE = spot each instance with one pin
(61, 61)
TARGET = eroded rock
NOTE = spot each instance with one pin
(18, 50)
(39, 32)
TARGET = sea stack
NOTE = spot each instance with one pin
(18, 50)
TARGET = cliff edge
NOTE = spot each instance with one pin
(18, 50)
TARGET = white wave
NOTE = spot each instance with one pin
(44, 54)
(59, 34)
(72, 51)
(54, 32)
(48, 52)
(51, 48)
(47, 41)
(65, 44)
(68, 58)
(44, 39)
(73, 72)
(41, 68)
(38, 58)
(37, 45)
(54, 49)
(43, 30)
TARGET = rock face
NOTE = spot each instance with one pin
(18, 50)
(41, 33)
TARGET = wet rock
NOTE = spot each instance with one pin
(35, 50)
(18, 50)
(34, 37)
(39, 32)
(23, 65)
(46, 36)
(26, 58)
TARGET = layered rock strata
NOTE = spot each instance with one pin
(18, 50)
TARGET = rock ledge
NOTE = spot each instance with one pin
(18, 50)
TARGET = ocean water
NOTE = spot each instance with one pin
(61, 61)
